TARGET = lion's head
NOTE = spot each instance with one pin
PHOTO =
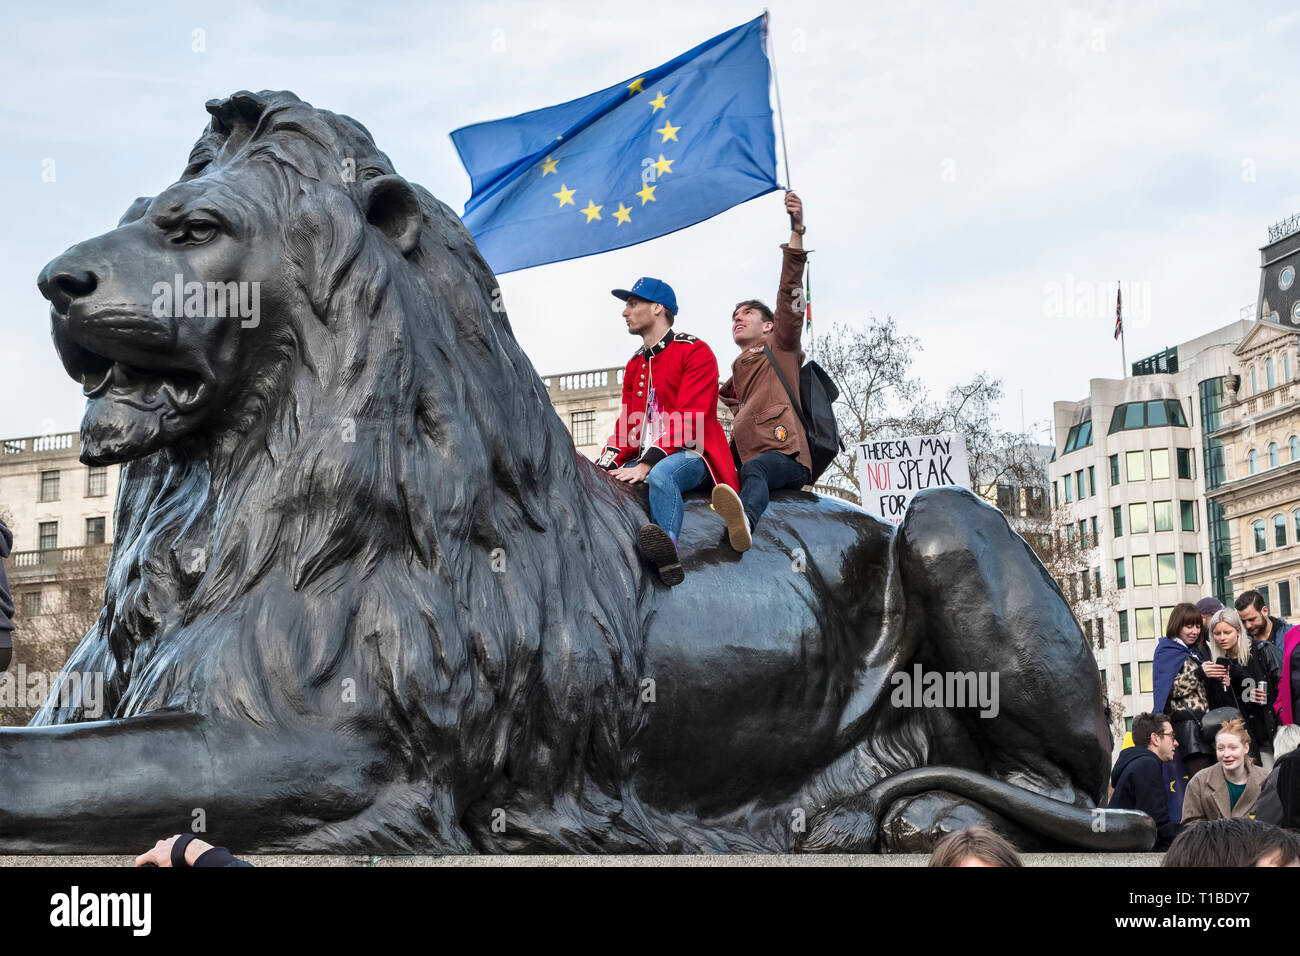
(162, 320)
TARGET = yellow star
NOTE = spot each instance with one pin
(668, 131)
(664, 165)
(635, 86)
(623, 214)
(565, 195)
(592, 210)
(647, 193)
(658, 103)
(548, 166)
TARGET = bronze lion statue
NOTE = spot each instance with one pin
(365, 596)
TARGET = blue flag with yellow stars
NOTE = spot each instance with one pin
(666, 149)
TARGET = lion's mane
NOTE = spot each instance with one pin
(391, 534)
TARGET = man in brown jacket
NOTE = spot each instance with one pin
(767, 432)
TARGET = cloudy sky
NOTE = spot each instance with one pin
(983, 173)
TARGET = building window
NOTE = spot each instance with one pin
(583, 427)
(1096, 585)
(1078, 483)
(1188, 510)
(1135, 462)
(1123, 627)
(1087, 632)
(1056, 499)
(1268, 372)
(1279, 531)
(1144, 676)
(1284, 598)
(1117, 519)
(1253, 461)
(1069, 488)
(1260, 541)
(1035, 502)
(1166, 569)
(1254, 381)
(94, 531)
(1272, 455)
(1163, 511)
(48, 535)
(1165, 614)
(1295, 523)
(1092, 524)
(49, 486)
(1286, 366)
(1120, 581)
(97, 481)
(1007, 500)
(1126, 676)
(1141, 570)
(1191, 568)
(1295, 447)
(1159, 462)
(1137, 519)
(1092, 479)
(1114, 469)
(31, 603)
(1263, 592)
(1145, 618)
(1185, 462)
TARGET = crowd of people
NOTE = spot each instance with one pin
(1220, 745)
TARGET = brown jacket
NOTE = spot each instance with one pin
(1207, 795)
(764, 418)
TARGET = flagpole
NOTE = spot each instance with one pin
(780, 117)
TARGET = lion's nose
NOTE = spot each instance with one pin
(62, 283)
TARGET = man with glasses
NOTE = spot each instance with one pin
(1138, 780)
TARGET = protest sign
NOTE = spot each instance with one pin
(891, 472)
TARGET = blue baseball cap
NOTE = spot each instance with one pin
(652, 290)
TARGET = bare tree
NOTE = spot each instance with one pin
(43, 642)
(880, 400)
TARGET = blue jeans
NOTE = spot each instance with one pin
(679, 472)
(765, 473)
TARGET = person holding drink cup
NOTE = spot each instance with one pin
(1244, 675)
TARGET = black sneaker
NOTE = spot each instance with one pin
(658, 548)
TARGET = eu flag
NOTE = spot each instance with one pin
(666, 149)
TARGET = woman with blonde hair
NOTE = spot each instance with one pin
(1244, 675)
(1230, 787)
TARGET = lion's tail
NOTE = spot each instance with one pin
(854, 826)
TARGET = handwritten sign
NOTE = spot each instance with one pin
(891, 472)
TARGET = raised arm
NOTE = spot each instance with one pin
(788, 315)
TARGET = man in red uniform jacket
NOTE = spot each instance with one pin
(668, 433)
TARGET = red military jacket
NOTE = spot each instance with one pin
(670, 403)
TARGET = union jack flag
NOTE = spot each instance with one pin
(1119, 313)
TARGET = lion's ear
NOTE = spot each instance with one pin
(392, 206)
(135, 210)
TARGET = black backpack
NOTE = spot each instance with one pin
(817, 395)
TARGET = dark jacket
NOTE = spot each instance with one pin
(1279, 629)
(1279, 797)
(1265, 665)
(6, 599)
(1139, 781)
(765, 419)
